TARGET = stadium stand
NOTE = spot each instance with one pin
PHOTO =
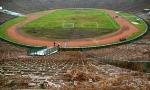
(5, 17)
(67, 70)
(28, 6)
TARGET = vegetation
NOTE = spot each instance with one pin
(81, 18)
(141, 25)
(73, 23)
(6, 25)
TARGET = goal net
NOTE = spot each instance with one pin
(68, 25)
(93, 25)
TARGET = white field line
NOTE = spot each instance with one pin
(68, 25)
(109, 18)
(96, 23)
(131, 17)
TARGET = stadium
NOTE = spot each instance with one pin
(75, 44)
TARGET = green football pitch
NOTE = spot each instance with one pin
(69, 24)
(75, 18)
(73, 23)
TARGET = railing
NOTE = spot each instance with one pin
(52, 50)
(42, 51)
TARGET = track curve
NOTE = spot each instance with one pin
(125, 31)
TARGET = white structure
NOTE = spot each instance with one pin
(1, 7)
(68, 25)
(9, 12)
(12, 13)
(47, 51)
(146, 10)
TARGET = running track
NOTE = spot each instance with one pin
(126, 30)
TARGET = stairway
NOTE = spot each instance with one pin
(44, 51)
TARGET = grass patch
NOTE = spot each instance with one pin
(68, 34)
(73, 23)
(86, 18)
(142, 26)
(6, 25)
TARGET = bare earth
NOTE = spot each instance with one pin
(126, 30)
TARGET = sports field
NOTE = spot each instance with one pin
(73, 28)
(72, 23)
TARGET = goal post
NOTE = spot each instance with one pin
(68, 25)
(91, 24)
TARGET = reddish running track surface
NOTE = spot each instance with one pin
(126, 30)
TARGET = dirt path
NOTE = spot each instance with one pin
(126, 30)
